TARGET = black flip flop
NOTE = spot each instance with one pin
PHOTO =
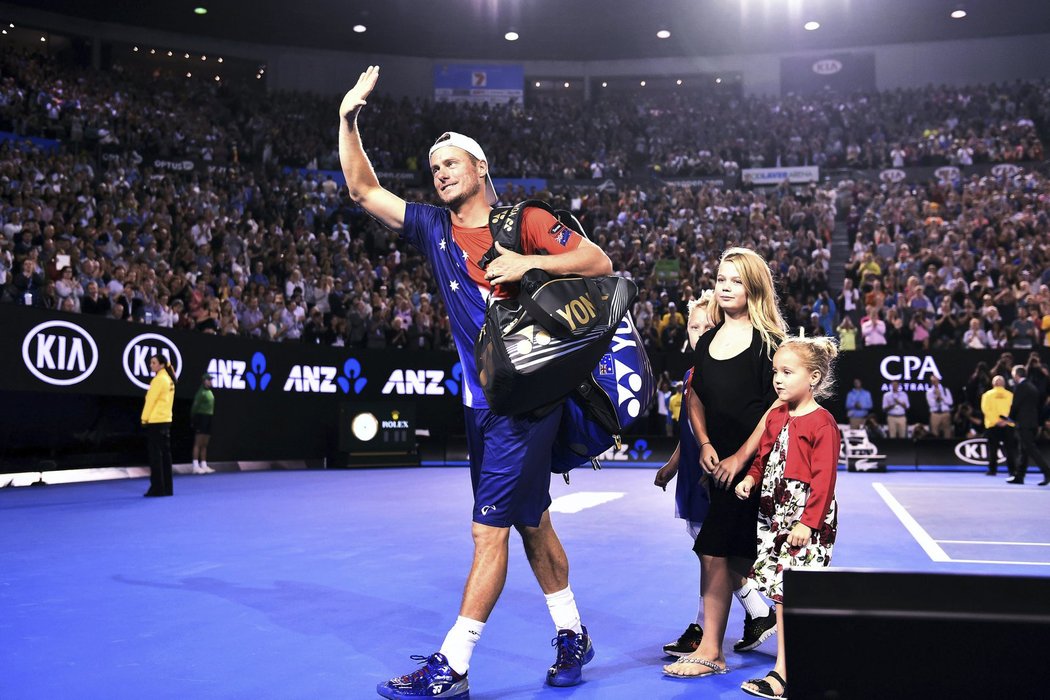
(765, 690)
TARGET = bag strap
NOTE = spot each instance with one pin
(505, 226)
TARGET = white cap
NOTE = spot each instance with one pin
(451, 138)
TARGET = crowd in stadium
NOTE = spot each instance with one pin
(244, 247)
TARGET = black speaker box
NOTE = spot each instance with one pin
(852, 635)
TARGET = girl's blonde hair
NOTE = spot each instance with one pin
(706, 301)
(818, 355)
(763, 306)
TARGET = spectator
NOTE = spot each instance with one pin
(847, 334)
(873, 328)
(895, 404)
(858, 405)
(939, 400)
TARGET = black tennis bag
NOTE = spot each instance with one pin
(534, 350)
(567, 337)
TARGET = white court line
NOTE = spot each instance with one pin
(582, 500)
(928, 544)
(982, 489)
(999, 561)
(993, 542)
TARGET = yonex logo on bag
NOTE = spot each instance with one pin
(59, 353)
(579, 311)
(142, 347)
(628, 381)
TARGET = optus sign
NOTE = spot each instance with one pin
(59, 353)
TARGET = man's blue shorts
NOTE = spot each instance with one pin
(510, 466)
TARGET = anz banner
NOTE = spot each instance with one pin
(57, 352)
(272, 400)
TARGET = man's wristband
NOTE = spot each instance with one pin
(705, 443)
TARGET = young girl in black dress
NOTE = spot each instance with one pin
(732, 391)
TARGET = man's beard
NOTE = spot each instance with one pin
(464, 196)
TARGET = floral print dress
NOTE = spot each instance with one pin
(780, 506)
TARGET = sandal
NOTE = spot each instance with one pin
(765, 690)
(715, 670)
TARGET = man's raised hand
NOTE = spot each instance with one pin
(357, 95)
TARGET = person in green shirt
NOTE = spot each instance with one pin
(200, 418)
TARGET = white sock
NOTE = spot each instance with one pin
(564, 612)
(459, 643)
(751, 599)
(196, 464)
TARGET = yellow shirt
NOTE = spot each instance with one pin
(674, 405)
(994, 403)
(159, 399)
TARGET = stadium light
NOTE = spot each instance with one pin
(360, 29)
(200, 10)
(811, 26)
(605, 84)
(566, 84)
(642, 83)
(663, 34)
(511, 36)
(958, 14)
(678, 82)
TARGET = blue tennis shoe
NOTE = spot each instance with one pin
(574, 650)
(435, 679)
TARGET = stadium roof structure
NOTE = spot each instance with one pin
(569, 30)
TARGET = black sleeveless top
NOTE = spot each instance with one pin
(734, 392)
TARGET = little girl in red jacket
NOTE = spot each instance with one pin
(796, 464)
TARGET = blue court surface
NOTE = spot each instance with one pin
(316, 584)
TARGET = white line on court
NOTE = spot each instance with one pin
(582, 500)
(999, 561)
(927, 543)
(982, 489)
(994, 542)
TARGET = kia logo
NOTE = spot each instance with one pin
(892, 175)
(947, 173)
(60, 353)
(828, 66)
(975, 451)
(1005, 170)
(140, 349)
